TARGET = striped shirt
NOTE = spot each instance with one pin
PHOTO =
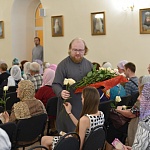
(131, 87)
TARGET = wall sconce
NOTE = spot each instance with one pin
(128, 4)
(131, 7)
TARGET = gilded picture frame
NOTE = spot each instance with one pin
(57, 26)
(1, 29)
(144, 20)
(98, 23)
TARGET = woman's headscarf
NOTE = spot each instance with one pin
(27, 90)
(15, 74)
(48, 77)
(4, 139)
(53, 67)
(26, 93)
(145, 102)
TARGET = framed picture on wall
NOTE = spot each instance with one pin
(144, 21)
(98, 25)
(57, 26)
(1, 29)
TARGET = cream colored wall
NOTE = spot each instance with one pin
(122, 39)
(5, 44)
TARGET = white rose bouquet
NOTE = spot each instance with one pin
(68, 82)
(4, 99)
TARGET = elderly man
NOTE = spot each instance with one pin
(74, 66)
(34, 75)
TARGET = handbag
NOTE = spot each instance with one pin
(117, 119)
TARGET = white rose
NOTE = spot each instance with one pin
(109, 69)
(124, 107)
(66, 81)
(101, 68)
(5, 88)
(71, 81)
(118, 99)
(112, 71)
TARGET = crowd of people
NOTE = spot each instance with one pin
(37, 81)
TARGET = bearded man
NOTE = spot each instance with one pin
(37, 52)
(74, 66)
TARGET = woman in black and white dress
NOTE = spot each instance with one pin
(90, 117)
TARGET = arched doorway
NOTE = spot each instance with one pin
(23, 28)
(39, 24)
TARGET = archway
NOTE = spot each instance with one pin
(23, 27)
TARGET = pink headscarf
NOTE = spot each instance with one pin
(48, 76)
(53, 67)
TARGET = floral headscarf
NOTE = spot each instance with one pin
(27, 90)
(145, 102)
(48, 77)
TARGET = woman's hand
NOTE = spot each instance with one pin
(65, 94)
(127, 147)
(68, 107)
(6, 116)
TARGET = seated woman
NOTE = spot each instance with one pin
(117, 90)
(90, 117)
(14, 78)
(22, 66)
(141, 141)
(26, 70)
(46, 92)
(129, 113)
(28, 105)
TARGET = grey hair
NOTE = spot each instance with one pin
(35, 67)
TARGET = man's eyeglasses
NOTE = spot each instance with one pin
(78, 50)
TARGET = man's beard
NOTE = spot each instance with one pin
(76, 60)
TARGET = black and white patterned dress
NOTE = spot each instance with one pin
(94, 121)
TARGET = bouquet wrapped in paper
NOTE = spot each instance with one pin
(104, 77)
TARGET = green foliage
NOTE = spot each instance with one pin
(96, 76)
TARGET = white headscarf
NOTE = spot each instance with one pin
(5, 143)
(15, 74)
(27, 68)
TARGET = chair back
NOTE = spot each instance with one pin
(51, 106)
(70, 141)
(124, 101)
(133, 99)
(95, 139)
(11, 100)
(31, 128)
(105, 108)
(10, 129)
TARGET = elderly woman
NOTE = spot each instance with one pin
(28, 105)
(141, 141)
(14, 78)
(26, 70)
(129, 113)
(46, 92)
